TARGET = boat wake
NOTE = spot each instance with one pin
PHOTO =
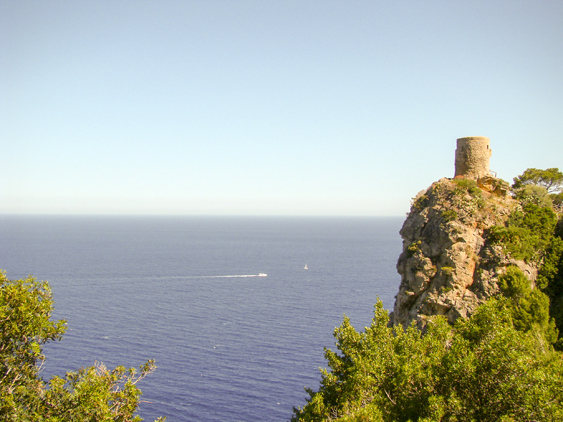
(223, 276)
(234, 276)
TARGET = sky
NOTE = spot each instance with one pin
(290, 107)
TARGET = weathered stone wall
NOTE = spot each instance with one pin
(472, 157)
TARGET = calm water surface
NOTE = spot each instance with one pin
(227, 348)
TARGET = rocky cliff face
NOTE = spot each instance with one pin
(447, 267)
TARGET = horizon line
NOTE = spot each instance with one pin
(195, 215)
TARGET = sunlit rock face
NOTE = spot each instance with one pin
(447, 267)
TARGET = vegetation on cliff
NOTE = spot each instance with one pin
(89, 394)
(534, 233)
(447, 266)
(550, 179)
(482, 278)
(481, 369)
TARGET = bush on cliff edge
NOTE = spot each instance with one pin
(482, 369)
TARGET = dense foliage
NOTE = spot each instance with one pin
(528, 234)
(534, 234)
(540, 186)
(90, 394)
(543, 187)
(550, 280)
(529, 308)
(551, 179)
(481, 369)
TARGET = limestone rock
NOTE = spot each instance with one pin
(447, 267)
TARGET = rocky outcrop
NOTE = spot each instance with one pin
(447, 266)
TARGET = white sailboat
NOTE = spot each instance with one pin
(306, 268)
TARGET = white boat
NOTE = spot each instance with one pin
(262, 275)
(306, 268)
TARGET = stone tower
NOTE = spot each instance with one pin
(472, 157)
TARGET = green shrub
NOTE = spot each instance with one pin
(519, 242)
(533, 194)
(551, 179)
(482, 369)
(539, 219)
(529, 307)
(550, 277)
(420, 202)
(449, 215)
(467, 186)
(415, 246)
(90, 394)
(528, 233)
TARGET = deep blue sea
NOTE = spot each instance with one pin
(227, 348)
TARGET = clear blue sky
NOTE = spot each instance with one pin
(268, 107)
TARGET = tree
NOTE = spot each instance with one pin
(90, 394)
(551, 179)
(529, 307)
(534, 194)
(482, 369)
(527, 234)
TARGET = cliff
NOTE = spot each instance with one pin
(447, 266)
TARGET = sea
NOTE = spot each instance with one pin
(185, 291)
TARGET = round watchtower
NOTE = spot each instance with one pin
(472, 157)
